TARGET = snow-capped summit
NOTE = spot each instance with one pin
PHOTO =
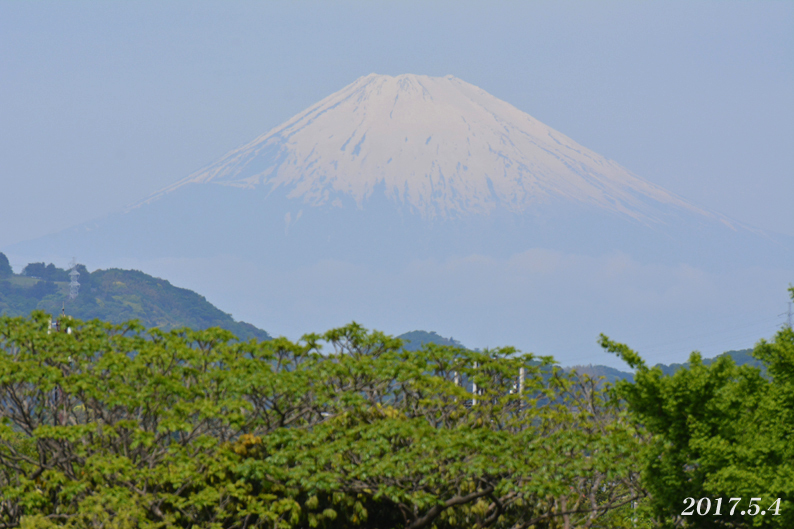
(391, 170)
(424, 202)
(436, 145)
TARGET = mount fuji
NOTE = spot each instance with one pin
(438, 146)
(390, 174)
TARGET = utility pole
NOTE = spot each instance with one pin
(474, 386)
(522, 373)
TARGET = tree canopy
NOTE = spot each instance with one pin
(717, 431)
(119, 426)
(5, 266)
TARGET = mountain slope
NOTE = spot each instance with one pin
(418, 167)
(610, 374)
(415, 340)
(411, 167)
(117, 296)
(406, 201)
(440, 146)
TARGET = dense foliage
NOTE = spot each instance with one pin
(719, 430)
(118, 426)
(5, 266)
(115, 426)
(48, 272)
(116, 296)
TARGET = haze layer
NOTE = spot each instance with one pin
(424, 190)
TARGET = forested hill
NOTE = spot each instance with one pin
(414, 340)
(113, 295)
(740, 357)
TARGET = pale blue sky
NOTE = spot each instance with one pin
(103, 103)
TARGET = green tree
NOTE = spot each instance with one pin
(5, 266)
(403, 437)
(718, 431)
(115, 426)
(49, 272)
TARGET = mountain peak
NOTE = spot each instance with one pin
(436, 145)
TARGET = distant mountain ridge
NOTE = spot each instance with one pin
(610, 374)
(120, 295)
(116, 296)
(414, 341)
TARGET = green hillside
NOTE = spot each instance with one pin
(744, 356)
(414, 340)
(610, 374)
(113, 295)
(741, 357)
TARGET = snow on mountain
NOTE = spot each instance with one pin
(417, 202)
(398, 169)
(438, 145)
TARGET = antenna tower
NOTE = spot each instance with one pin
(74, 286)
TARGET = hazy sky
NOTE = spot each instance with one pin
(103, 103)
